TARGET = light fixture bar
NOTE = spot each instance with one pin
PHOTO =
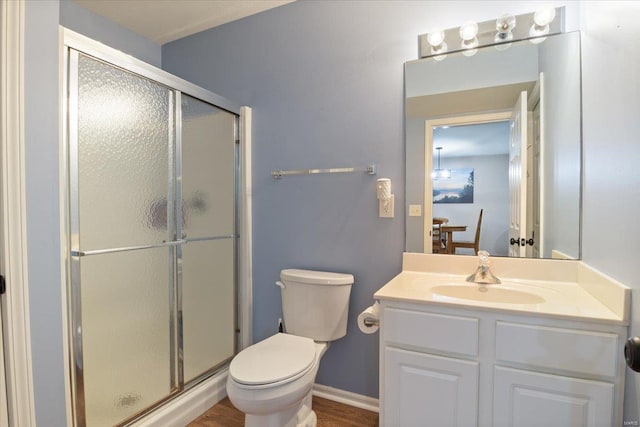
(487, 33)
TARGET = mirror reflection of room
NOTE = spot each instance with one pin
(473, 171)
(512, 113)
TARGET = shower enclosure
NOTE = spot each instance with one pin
(153, 169)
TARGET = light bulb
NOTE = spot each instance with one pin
(469, 44)
(439, 51)
(469, 52)
(469, 31)
(503, 37)
(435, 38)
(440, 57)
(541, 19)
(505, 23)
(544, 16)
(536, 31)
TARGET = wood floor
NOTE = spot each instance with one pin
(330, 414)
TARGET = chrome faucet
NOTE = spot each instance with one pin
(483, 275)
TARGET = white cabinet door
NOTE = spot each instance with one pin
(426, 390)
(529, 399)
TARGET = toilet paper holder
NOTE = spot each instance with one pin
(370, 321)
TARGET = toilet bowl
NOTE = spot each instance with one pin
(271, 381)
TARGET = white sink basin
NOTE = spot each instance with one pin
(489, 293)
(565, 290)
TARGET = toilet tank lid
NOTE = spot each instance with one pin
(316, 277)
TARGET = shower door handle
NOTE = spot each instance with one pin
(127, 248)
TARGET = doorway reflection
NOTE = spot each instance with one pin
(477, 156)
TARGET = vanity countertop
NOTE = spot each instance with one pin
(590, 296)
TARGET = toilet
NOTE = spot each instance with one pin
(271, 380)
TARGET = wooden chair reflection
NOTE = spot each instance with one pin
(437, 237)
(475, 245)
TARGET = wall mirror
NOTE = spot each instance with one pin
(493, 144)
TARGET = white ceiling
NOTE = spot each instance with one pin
(485, 139)
(163, 21)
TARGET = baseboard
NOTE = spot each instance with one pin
(190, 405)
(346, 397)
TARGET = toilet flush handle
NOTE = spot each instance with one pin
(280, 284)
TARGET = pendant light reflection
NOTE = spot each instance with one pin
(440, 173)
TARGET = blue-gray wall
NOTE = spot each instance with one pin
(41, 121)
(611, 182)
(83, 21)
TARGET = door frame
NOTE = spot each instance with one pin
(13, 258)
(429, 125)
(536, 100)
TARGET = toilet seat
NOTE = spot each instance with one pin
(275, 361)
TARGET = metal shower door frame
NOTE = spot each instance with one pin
(74, 45)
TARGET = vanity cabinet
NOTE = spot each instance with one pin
(523, 398)
(425, 389)
(446, 365)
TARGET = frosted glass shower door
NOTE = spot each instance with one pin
(152, 232)
(122, 156)
(208, 256)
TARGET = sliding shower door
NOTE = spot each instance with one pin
(208, 224)
(152, 214)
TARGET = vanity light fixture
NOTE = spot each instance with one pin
(541, 21)
(440, 173)
(438, 45)
(469, 36)
(500, 33)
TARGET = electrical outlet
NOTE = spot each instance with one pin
(415, 210)
(386, 208)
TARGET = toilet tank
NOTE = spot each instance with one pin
(315, 304)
